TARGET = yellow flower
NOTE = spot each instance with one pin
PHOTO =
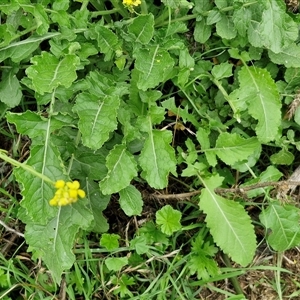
(67, 193)
(131, 3)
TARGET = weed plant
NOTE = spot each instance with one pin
(151, 143)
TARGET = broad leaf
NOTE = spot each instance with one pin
(109, 241)
(259, 92)
(225, 28)
(53, 241)
(97, 118)
(33, 124)
(157, 158)
(116, 263)
(228, 222)
(288, 56)
(98, 203)
(277, 29)
(107, 41)
(169, 219)
(139, 243)
(222, 70)
(202, 31)
(36, 192)
(231, 148)
(47, 72)
(153, 64)
(131, 201)
(122, 167)
(142, 27)
(10, 89)
(282, 225)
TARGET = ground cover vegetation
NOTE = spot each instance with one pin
(147, 148)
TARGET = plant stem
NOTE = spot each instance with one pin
(233, 280)
(144, 8)
(95, 14)
(24, 167)
(226, 96)
(182, 19)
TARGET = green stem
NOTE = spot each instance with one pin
(144, 8)
(162, 17)
(182, 19)
(95, 14)
(24, 167)
(226, 96)
(122, 11)
(233, 280)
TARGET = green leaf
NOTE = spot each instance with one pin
(153, 234)
(169, 219)
(116, 263)
(259, 91)
(88, 163)
(277, 29)
(108, 41)
(10, 89)
(213, 17)
(201, 259)
(282, 222)
(202, 31)
(109, 241)
(271, 174)
(288, 56)
(142, 27)
(139, 243)
(157, 158)
(53, 241)
(225, 28)
(222, 70)
(283, 157)
(47, 72)
(40, 17)
(36, 192)
(97, 116)
(178, 4)
(122, 167)
(231, 148)
(33, 124)
(228, 222)
(153, 64)
(98, 203)
(20, 50)
(131, 201)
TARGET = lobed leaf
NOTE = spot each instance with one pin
(169, 219)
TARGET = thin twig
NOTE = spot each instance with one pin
(237, 190)
(11, 229)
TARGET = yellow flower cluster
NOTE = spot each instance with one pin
(131, 3)
(67, 193)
